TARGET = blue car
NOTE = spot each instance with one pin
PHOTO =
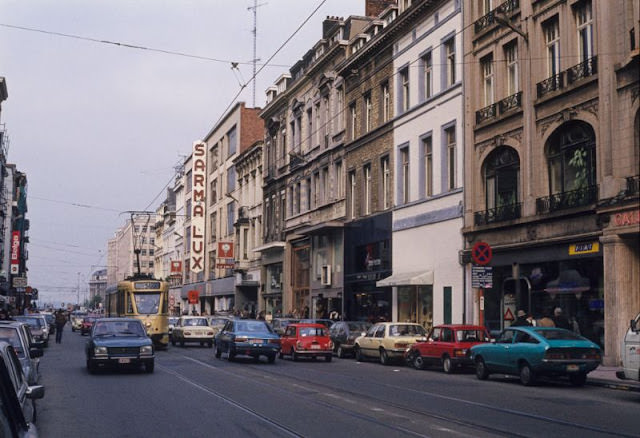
(529, 352)
(119, 342)
(247, 337)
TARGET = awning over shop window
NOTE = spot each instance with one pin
(407, 279)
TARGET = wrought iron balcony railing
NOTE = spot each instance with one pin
(505, 8)
(499, 214)
(566, 200)
(582, 70)
(486, 113)
(553, 83)
(633, 185)
(497, 109)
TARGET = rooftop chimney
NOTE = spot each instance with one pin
(375, 7)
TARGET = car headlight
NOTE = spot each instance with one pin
(99, 350)
(147, 349)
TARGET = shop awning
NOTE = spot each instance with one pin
(271, 245)
(407, 279)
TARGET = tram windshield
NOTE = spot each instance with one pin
(148, 303)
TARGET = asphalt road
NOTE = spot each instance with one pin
(193, 394)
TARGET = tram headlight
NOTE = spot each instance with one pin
(147, 324)
(146, 350)
(100, 351)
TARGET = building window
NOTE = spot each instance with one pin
(231, 179)
(552, 40)
(307, 200)
(213, 226)
(232, 137)
(213, 188)
(511, 57)
(316, 189)
(245, 243)
(404, 90)
(352, 120)
(427, 75)
(297, 198)
(339, 184)
(450, 137)
(368, 108)
(502, 178)
(367, 189)
(571, 157)
(310, 134)
(386, 102)
(325, 185)
(487, 79)
(352, 194)
(584, 22)
(487, 6)
(427, 168)
(231, 217)
(340, 107)
(386, 182)
(403, 175)
(450, 62)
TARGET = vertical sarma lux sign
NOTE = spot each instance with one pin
(198, 202)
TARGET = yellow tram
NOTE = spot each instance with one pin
(146, 299)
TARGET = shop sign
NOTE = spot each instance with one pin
(627, 218)
(482, 276)
(193, 296)
(584, 248)
(20, 282)
(225, 250)
(15, 252)
(198, 201)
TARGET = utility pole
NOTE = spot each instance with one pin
(78, 292)
(255, 42)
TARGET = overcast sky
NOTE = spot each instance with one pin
(98, 127)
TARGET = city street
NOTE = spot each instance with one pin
(193, 394)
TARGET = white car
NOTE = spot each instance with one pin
(631, 352)
(192, 329)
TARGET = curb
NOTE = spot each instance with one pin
(614, 385)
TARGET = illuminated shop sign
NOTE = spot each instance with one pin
(198, 202)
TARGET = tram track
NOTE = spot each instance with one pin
(258, 375)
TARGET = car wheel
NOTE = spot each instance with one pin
(527, 376)
(578, 379)
(384, 357)
(328, 357)
(358, 353)
(231, 354)
(149, 366)
(280, 354)
(447, 366)
(294, 355)
(340, 352)
(418, 362)
(482, 372)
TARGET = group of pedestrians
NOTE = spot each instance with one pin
(557, 320)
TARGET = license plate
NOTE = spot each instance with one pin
(124, 360)
(315, 347)
(573, 367)
(255, 341)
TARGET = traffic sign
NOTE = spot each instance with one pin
(482, 276)
(508, 315)
(481, 253)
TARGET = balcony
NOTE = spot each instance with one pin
(495, 110)
(566, 200)
(505, 8)
(633, 186)
(583, 70)
(499, 214)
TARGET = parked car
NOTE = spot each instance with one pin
(173, 320)
(17, 398)
(529, 352)
(447, 346)
(631, 352)
(18, 335)
(51, 321)
(217, 322)
(37, 326)
(306, 340)
(344, 333)
(192, 329)
(388, 341)
(87, 324)
(247, 337)
(280, 324)
(119, 342)
(326, 322)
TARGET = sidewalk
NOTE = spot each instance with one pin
(606, 377)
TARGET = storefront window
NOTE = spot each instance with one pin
(415, 304)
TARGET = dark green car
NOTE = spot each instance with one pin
(119, 343)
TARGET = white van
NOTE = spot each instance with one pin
(631, 352)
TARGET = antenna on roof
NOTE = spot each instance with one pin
(255, 38)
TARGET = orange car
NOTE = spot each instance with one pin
(306, 340)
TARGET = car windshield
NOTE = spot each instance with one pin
(147, 302)
(312, 331)
(10, 335)
(194, 321)
(406, 330)
(32, 321)
(252, 326)
(118, 328)
(471, 336)
(219, 323)
(559, 335)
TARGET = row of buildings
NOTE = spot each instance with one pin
(14, 226)
(432, 161)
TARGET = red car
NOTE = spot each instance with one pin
(87, 324)
(306, 340)
(447, 346)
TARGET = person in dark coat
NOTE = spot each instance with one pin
(61, 320)
(560, 320)
(521, 320)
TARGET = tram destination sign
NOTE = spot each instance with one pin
(482, 276)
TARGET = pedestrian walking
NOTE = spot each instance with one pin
(61, 320)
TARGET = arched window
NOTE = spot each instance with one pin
(571, 158)
(502, 178)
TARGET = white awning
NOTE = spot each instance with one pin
(407, 279)
(270, 245)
